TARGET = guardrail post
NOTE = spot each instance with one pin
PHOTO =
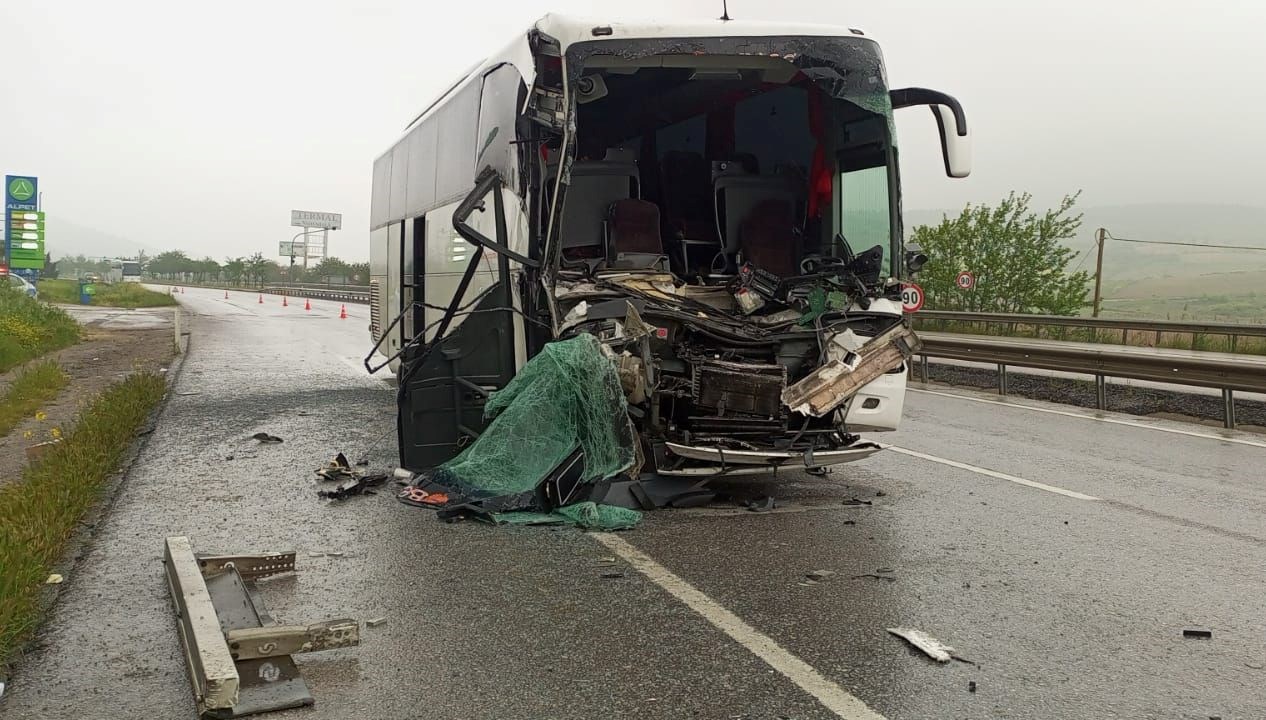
(1233, 338)
(923, 368)
(1002, 379)
(1228, 409)
(1101, 392)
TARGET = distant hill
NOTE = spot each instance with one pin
(68, 238)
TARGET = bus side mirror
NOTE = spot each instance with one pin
(951, 123)
(955, 146)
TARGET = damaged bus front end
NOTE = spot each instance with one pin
(717, 204)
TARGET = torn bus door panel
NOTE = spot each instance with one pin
(239, 661)
(832, 384)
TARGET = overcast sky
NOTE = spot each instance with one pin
(200, 126)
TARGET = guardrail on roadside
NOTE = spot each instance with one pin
(1224, 371)
(1125, 325)
(352, 296)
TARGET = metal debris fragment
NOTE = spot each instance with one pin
(375, 622)
(1197, 633)
(929, 645)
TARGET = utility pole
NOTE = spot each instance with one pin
(1100, 234)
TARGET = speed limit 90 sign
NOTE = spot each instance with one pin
(911, 297)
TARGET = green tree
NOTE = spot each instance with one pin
(358, 273)
(234, 270)
(170, 264)
(329, 269)
(1016, 255)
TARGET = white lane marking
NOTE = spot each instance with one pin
(991, 473)
(1083, 416)
(835, 698)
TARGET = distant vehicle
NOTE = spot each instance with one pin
(131, 271)
(17, 282)
(93, 277)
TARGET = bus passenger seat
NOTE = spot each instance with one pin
(633, 235)
(768, 237)
(593, 187)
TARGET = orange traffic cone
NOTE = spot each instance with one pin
(307, 304)
(283, 301)
(261, 298)
(342, 312)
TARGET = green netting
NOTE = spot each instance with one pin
(567, 396)
(586, 515)
(604, 517)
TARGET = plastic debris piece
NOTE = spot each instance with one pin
(820, 575)
(54, 579)
(375, 622)
(929, 645)
(265, 438)
(971, 686)
(402, 474)
(1197, 633)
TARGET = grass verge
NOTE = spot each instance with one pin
(29, 328)
(39, 513)
(126, 295)
(35, 386)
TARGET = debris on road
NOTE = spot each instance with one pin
(856, 501)
(54, 579)
(375, 622)
(266, 439)
(416, 496)
(929, 645)
(764, 504)
(1197, 633)
(820, 575)
(876, 576)
(337, 469)
(611, 575)
(971, 686)
(357, 485)
(237, 664)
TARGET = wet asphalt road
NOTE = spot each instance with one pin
(1069, 607)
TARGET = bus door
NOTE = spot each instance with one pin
(467, 325)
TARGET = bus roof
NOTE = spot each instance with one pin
(568, 30)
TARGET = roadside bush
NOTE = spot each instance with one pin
(30, 328)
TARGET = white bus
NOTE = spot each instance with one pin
(737, 183)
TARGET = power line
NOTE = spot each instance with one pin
(1185, 244)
